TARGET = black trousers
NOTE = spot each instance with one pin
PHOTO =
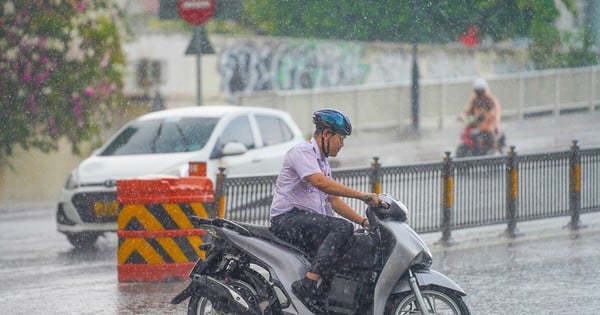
(324, 238)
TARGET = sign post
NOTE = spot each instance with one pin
(196, 12)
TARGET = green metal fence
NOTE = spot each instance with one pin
(453, 194)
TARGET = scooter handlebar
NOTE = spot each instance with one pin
(388, 209)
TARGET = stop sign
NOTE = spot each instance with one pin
(196, 12)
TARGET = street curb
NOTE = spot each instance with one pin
(527, 231)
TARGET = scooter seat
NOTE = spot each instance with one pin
(263, 232)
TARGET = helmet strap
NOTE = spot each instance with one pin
(325, 146)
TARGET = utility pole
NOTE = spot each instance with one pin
(414, 92)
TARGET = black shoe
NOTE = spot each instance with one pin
(306, 290)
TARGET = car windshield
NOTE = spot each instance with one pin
(165, 135)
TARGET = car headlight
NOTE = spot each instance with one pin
(72, 181)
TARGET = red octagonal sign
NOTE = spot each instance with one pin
(196, 12)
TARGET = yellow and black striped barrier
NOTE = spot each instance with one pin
(157, 240)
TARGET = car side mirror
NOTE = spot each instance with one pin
(233, 148)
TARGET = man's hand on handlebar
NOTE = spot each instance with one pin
(372, 200)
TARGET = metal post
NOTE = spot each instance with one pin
(415, 69)
(375, 180)
(220, 193)
(512, 189)
(574, 186)
(198, 46)
(198, 30)
(447, 198)
(415, 90)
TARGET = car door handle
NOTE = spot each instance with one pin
(256, 160)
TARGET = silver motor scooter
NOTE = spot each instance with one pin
(386, 270)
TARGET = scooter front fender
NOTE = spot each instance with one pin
(425, 278)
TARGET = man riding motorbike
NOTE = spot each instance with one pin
(305, 197)
(483, 109)
(310, 262)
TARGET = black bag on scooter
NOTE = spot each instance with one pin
(362, 252)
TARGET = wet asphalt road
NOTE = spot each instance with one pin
(549, 273)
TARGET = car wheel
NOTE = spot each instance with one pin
(83, 240)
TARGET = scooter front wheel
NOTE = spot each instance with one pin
(438, 301)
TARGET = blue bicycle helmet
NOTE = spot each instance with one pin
(332, 119)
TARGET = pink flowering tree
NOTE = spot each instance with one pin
(61, 69)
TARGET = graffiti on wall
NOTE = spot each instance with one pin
(253, 66)
(250, 67)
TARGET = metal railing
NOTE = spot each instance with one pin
(453, 194)
(589, 198)
(521, 94)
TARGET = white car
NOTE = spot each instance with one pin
(244, 140)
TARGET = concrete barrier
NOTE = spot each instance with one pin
(157, 241)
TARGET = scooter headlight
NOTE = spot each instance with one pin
(423, 259)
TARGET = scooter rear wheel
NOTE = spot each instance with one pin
(438, 300)
(200, 305)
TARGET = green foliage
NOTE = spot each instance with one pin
(549, 48)
(433, 21)
(429, 21)
(62, 67)
(358, 20)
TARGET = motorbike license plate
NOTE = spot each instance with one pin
(106, 209)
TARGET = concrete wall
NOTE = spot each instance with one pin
(35, 177)
(178, 71)
(251, 64)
